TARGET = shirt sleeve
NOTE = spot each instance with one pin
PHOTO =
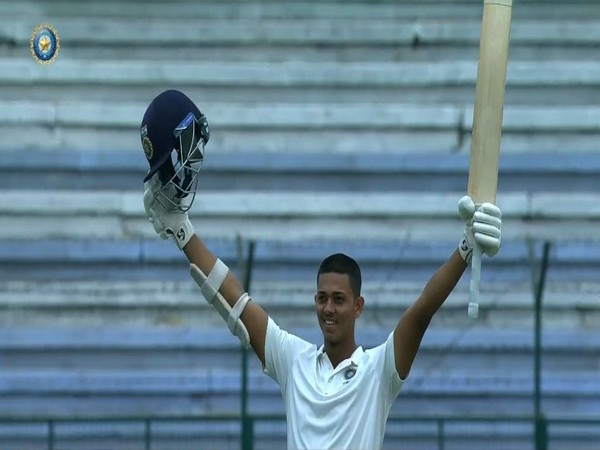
(281, 349)
(392, 381)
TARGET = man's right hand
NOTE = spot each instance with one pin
(167, 223)
(483, 227)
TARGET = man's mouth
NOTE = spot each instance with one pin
(329, 322)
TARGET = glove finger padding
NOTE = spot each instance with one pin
(488, 244)
(483, 228)
(487, 228)
(487, 219)
(490, 209)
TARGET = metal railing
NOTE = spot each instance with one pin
(147, 437)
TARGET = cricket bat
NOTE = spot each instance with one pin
(487, 119)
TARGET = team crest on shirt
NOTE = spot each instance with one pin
(349, 373)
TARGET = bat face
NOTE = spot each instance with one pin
(489, 100)
(487, 119)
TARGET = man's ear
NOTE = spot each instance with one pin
(359, 304)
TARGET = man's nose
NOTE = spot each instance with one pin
(329, 306)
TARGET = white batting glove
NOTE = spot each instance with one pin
(167, 223)
(483, 228)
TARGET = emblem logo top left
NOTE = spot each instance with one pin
(44, 44)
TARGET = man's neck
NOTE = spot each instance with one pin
(340, 352)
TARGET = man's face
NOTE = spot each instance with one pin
(337, 308)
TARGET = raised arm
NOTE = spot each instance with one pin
(483, 225)
(415, 320)
(253, 316)
(175, 224)
(173, 134)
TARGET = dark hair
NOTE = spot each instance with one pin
(340, 263)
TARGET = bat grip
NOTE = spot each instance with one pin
(475, 279)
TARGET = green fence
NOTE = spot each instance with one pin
(188, 431)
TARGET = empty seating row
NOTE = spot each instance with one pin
(240, 203)
(204, 371)
(404, 217)
(136, 392)
(345, 128)
(338, 81)
(100, 169)
(380, 9)
(139, 259)
(169, 338)
(145, 301)
(400, 27)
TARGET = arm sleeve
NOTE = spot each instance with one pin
(281, 348)
(391, 381)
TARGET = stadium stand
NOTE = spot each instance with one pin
(336, 126)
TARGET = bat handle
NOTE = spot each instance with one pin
(475, 279)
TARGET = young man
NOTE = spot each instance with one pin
(336, 395)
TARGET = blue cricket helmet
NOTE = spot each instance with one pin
(173, 133)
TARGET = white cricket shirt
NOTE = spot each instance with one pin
(326, 408)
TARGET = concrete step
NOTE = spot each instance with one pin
(423, 82)
(277, 260)
(315, 31)
(403, 31)
(218, 53)
(341, 128)
(60, 346)
(292, 216)
(56, 346)
(64, 392)
(219, 382)
(262, 9)
(305, 116)
(170, 303)
(239, 127)
(100, 170)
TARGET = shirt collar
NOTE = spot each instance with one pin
(355, 358)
